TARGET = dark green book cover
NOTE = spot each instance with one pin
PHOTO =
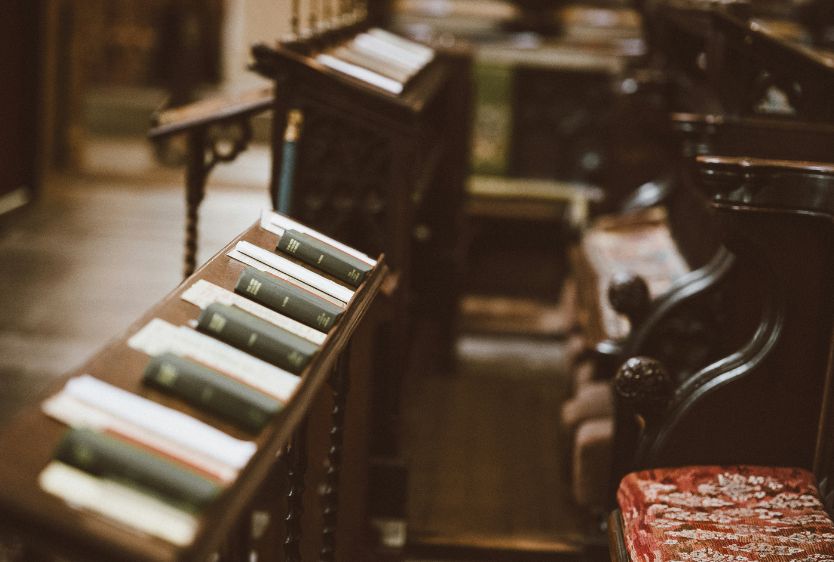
(257, 337)
(107, 457)
(288, 299)
(211, 391)
(323, 256)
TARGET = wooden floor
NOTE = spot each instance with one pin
(102, 246)
(97, 250)
(487, 460)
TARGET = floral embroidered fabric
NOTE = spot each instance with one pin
(725, 514)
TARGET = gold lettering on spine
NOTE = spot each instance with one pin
(323, 319)
(253, 287)
(293, 245)
(167, 374)
(295, 358)
(353, 275)
(252, 339)
(217, 323)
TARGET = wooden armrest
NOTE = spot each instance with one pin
(210, 111)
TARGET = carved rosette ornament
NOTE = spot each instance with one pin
(629, 295)
(644, 383)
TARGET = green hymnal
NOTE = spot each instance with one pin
(323, 256)
(211, 391)
(107, 457)
(257, 337)
(286, 298)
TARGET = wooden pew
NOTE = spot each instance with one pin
(687, 326)
(755, 71)
(769, 402)
(691, 324)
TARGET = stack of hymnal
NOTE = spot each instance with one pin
(145, 465)
(154, 468)
(379, 58)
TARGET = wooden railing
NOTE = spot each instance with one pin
(47, 524)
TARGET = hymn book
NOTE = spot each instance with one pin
(278, 223)
(159, 336)
(297, 272)
(290, 299)
(320, 255)
(261, 339)
(359, 73)
(203, 293)
(119, 503)
(422, 52)
(392, 53)
(88, 402)
(372, 62)
(210, 391)
(106, 457)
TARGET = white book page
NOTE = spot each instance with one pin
(278, 223)
(361, 57)
(261, 266)
(119, 503)
(202, 293)
(388, 51)
(159, 336)
(75, 413)
(296, 271)
(360, 73)
(417, 48)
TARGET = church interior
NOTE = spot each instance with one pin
(417, 281)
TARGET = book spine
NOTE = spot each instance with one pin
(108, 457)
(282, 297)
(318, 254)
(210, 391)
(249, 333)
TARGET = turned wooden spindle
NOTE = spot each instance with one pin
(340, 384)
(195, 187)
(296, 469)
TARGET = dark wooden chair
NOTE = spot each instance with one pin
(760, 405)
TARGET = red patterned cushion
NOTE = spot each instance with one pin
(725, 514)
